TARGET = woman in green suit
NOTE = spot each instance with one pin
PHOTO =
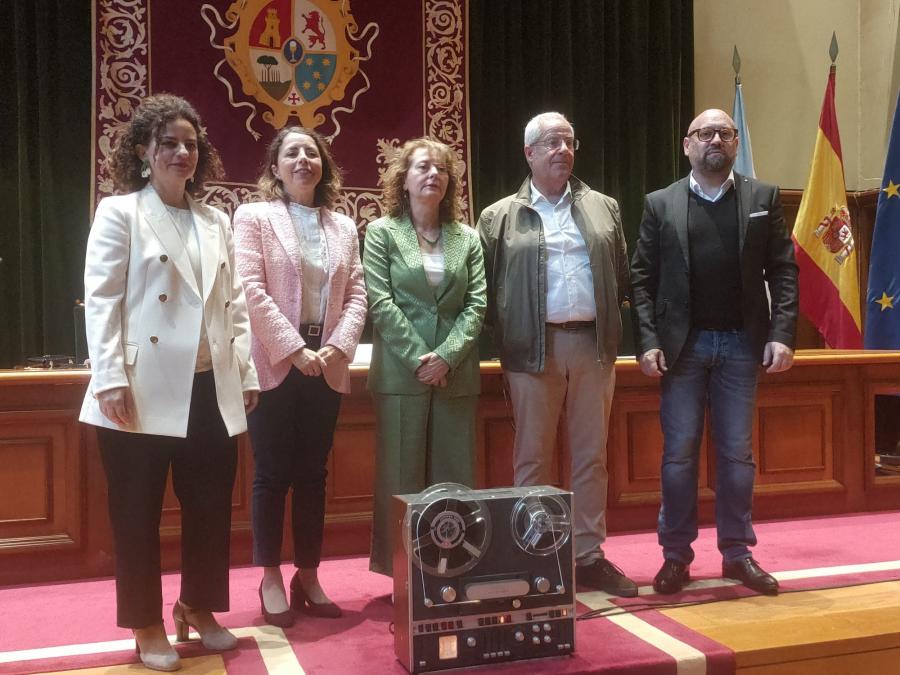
(427, 297)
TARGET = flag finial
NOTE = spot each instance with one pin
(833, 49)
(736, 64)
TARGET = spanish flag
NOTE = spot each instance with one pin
(823, 241)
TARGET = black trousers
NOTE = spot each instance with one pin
(292, 430)
(203, 470)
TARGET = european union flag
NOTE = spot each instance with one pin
(883, 296)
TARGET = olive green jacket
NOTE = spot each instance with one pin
(515, 259)
(411, 318)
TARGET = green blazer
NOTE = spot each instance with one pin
(411, 318)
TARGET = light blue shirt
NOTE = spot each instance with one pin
(570, 281)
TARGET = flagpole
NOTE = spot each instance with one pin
(743, 162)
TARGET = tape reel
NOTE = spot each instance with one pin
(449, 533)
(541, 523)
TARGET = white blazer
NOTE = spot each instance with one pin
(143, 311)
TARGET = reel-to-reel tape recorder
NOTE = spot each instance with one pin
(482, 576)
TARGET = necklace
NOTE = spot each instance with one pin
(430, 242)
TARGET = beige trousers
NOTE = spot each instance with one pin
(573, 380)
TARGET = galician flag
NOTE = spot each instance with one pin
(743, 163)
(823, 242)
(883, 296)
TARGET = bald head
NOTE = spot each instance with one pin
(711, 158)
(711, 118)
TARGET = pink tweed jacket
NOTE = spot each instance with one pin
(267, 251)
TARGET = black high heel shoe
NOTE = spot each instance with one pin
(281, 619)
(300, 602)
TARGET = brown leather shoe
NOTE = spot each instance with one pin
(604, 576)
(672, 577)
(749, 573)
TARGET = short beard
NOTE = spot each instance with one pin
(715, 163)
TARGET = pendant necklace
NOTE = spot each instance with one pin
(430, 242)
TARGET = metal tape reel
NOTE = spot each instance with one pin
(540, 523)
(449, 533)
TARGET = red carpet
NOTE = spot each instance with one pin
(83, 614)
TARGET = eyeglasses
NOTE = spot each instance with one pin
(553, 142)
(706, 134)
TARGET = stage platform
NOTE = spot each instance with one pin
(839, 612)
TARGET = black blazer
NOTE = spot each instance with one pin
(660, 269)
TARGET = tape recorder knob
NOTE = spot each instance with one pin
(520, 636)
(535, 640)
(542, 584)
(448, 594)
(471, 641)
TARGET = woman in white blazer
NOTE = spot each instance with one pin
(300, 264)
(171, 374)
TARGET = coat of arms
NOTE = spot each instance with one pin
(293, 56)
(834, 231)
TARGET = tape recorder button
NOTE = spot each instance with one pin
(471, 641)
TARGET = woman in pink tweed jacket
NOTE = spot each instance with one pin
(307, 301)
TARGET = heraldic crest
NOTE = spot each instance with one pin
(293, 56)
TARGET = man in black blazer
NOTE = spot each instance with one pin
(703, 323)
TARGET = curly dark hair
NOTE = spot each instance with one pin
(329, 188)
(395, 200)
(147, 123)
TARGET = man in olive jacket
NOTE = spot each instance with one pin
(557, 272)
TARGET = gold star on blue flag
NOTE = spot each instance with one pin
(882, 317)
(314, 73)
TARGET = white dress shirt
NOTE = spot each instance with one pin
(723, 188)
(570, 282)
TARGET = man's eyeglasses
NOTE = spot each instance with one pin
(553, 142)
(706, 134)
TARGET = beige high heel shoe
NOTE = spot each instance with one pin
(166, 661)
(213, 637)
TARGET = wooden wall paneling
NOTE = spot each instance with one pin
(814, 436)
(795, 438)
(42, 482)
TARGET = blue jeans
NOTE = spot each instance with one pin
(718, 369)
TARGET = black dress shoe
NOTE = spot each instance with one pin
(301, 602)
(672, 577)
(281, 619)
(749, 573)
(603, 575)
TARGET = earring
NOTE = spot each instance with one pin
(145, 169)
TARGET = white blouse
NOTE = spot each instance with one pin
(313, 262)
(434, 267)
